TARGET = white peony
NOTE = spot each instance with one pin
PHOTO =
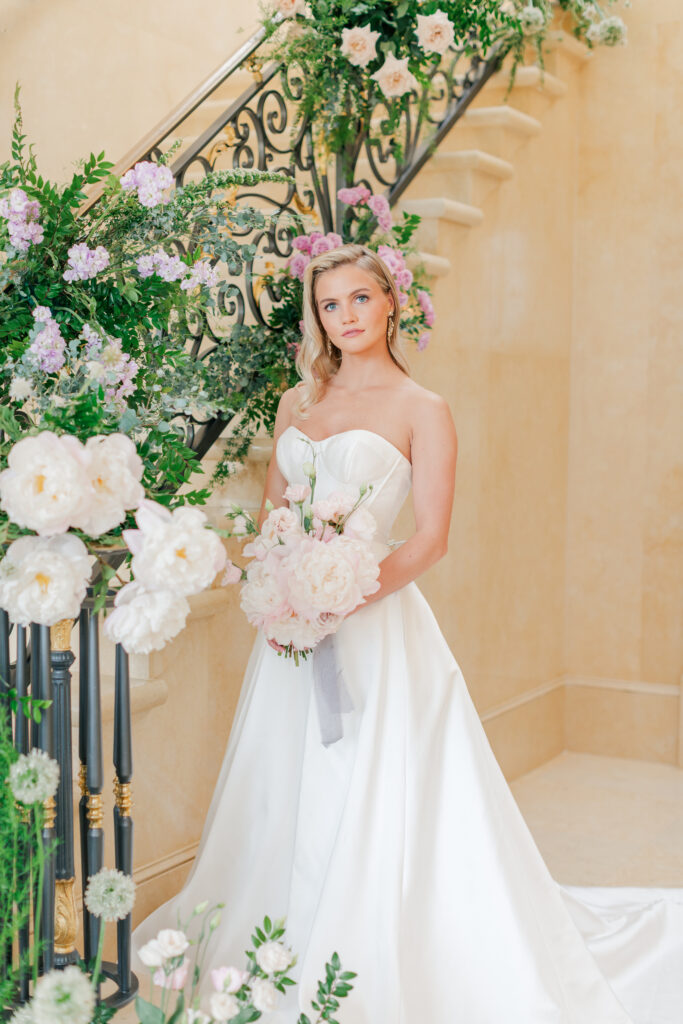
(45, 486)
(145, 620)
(114, 471)
(172, 942)
(223, 1006)
(321, 579)
(264, 995)
(174, 550)
(359, 45)
(394, 78)
(280, 522)
(64, 997)
(273, 956)
(434, 32)
(262, 596)
(44, 579)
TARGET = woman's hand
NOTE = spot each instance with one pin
(275, 645)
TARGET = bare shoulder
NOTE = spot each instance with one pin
(287, 400)
(430, 412)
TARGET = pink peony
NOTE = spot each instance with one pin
(302, 243)
(297, 264)
(321, 245)
(423, 341)
(355, 196)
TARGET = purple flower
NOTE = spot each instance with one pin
(355, 196)
(425, 301)
(402, 298)
(46, 351)
(150, 180)
(22, 215)
(404, 278)
(392, 257)
(201, 273)
(168, 268)
(422, 342)
(85, 263)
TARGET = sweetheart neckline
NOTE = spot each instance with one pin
(352, 430)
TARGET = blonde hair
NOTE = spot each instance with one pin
(318, 358)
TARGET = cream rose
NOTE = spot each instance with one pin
(359, 45)
(264, 995)
(290, 8)
(394, 78)
(223, 1006)
(273, 956)
(434, 32)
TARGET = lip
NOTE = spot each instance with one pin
(352, 330)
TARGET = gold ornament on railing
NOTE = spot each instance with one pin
(65, 916)
(123, 797)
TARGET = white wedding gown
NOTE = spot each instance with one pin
(400, 845)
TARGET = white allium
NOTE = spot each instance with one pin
(20, 388)
(174, 550)
(34, 777)
(533, 19)
(223, 1006)
(45, 485)
(264, 995)
(610, 31)
(273, 956)
(172, 942)
(64, 997)
(145, 620)
(110, 894)
(24, 1015)
(44, 579)
(114, 471)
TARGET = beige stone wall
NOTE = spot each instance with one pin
(99, 75)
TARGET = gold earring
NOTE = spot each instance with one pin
(390, 327)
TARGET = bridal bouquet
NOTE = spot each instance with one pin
(311, 564)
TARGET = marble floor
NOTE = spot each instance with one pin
(598, 821)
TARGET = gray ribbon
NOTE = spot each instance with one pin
(331, 693)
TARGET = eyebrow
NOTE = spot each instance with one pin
(365, 288)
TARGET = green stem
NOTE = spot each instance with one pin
(40, 854)
(98, 958)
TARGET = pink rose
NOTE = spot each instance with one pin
(302, 243)
(175, 980)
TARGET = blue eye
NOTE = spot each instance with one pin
(361, 296)
(329, 306)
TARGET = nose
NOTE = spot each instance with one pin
(349, 315)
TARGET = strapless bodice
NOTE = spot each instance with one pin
(345, 461)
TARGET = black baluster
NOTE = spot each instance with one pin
(21, 742)
(61, 659)
(82, 754)
(46, 742)
(94, 773)
(34, 666)
(123, 823)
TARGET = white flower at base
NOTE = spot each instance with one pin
(34, 777)
(44, 579)
(609, 31)
(63, 997)
(359, 45)
(174, 550)
(114, 471)
(110, 894)
(394, 78)
(434, 32)
(223, 1006)
(172, 942)
(145, 620)
(264, 995)
(45, 484)
(273, 956)
(24, 1015)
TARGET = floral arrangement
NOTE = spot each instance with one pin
(311, 564)
(368, 221)
(239, 995)
(96, 377)
(356, 54)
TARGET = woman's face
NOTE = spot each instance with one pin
(353, 308)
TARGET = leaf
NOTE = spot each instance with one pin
(147, 1012)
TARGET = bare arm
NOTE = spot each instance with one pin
(434, 452)
(275, 482)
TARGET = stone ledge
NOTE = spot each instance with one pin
(472, 160)
(444, 209)
(502, 116)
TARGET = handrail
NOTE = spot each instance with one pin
(183, 110)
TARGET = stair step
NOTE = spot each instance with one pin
(502, 116)
(435, 266)
(569, 44)
(444, 209)
(474, 160)
(530, 76)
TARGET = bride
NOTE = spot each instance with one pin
(395, 840)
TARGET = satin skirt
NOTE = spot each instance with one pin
(400, 846)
